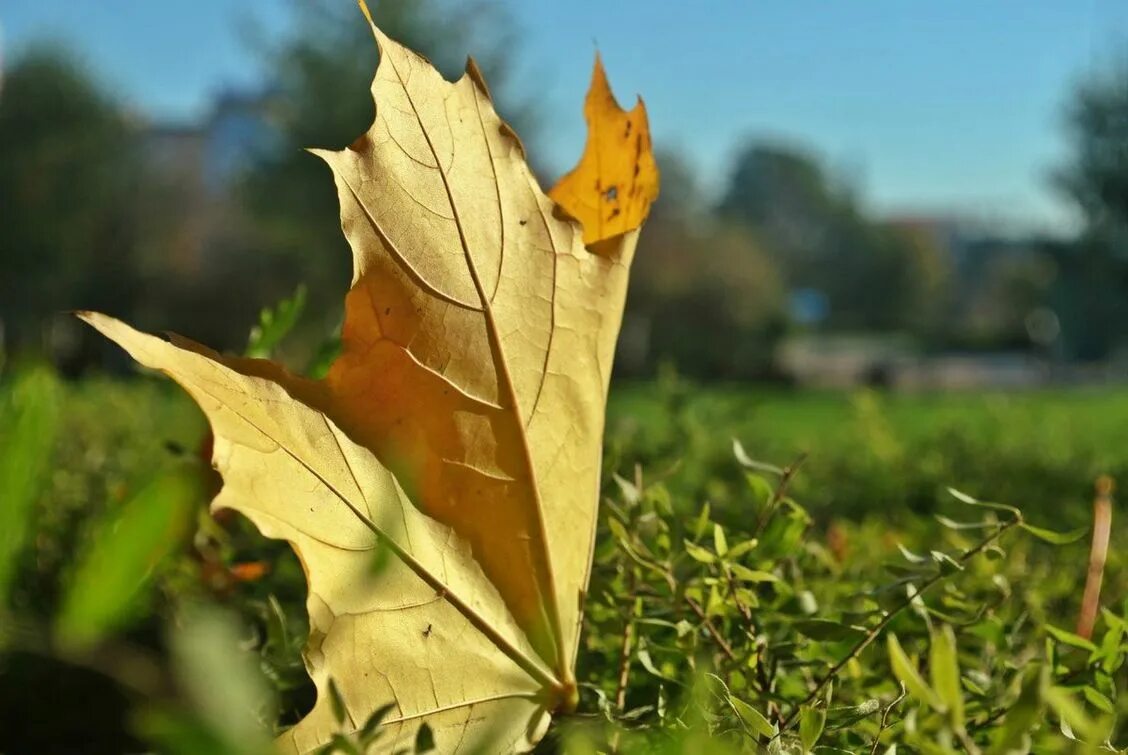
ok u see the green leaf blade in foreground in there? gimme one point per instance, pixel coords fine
(112, 576)
(906, 671)
(29, 423)
(756, 721)
(1055, 538)
(944, 669)
(225, 685)
(1024, 713)
(811, 725)
(1066, 637)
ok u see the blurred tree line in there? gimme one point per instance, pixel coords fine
(173, 228)
(68, 190)
(1094, 268)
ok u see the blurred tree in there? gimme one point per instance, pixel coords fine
(322, 76)
(704, 295)
(1096, 177)
(1092, 292)
(787, 198)
(927, 286)
(1012, 286)
(778, 188)
(873, 277)
(67, 184)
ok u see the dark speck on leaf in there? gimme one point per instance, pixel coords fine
(387, 310)
(611, 194)
(523, 222)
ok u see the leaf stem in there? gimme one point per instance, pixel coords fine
(745, 612)
(625, 656)
(626, 648)
(886, 711)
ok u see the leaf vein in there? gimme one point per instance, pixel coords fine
(478, 622)
(501, 365)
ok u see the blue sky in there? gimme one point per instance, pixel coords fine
(927, 105)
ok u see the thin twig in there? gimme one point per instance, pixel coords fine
(745, 611)
(778, 494)
(885, 718)
(1098, 553)
(969, 746)
(876, 631)
(990, 719)
(787, 474)
(750, 628)
(626, 648)
(717, 636)
(671, 583)
(625, 656)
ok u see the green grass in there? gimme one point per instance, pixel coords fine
(868, 453)
(887, 455)
(821, 572)
(878, 452)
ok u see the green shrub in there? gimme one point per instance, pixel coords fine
(723, 614)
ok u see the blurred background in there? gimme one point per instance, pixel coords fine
(926, 197)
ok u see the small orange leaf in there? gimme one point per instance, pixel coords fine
(612, 187)
(251, 571)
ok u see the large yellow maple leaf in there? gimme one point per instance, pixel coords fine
(459, 432)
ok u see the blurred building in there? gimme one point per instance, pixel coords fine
(1004, 322)
(191, 172)
(998, 278)
(198, 247)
